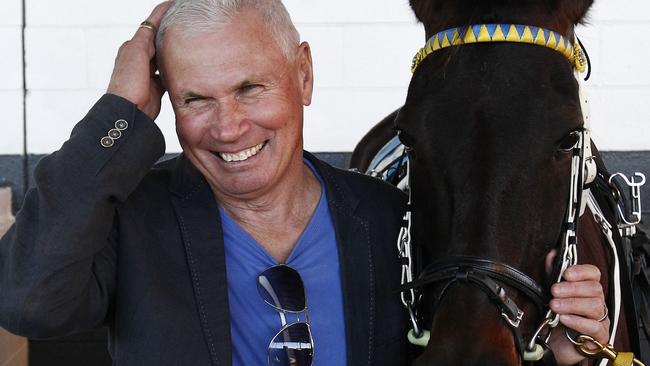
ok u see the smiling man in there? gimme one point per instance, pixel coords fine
(253, 157)
(243, 250)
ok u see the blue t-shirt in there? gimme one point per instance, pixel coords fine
(253, 323)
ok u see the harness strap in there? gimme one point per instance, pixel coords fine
(641, 252)
(608, 206)
(607, 232)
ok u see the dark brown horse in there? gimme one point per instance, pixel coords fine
(490, 127)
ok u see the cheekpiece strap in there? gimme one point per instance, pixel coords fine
(517, 33)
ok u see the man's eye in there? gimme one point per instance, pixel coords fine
(190, 100)
(248, 88)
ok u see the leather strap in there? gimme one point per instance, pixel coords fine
(450, 268)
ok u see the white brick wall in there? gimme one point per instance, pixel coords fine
(620, 84)
(11, 138)
(357, 11)
(11, 12)
(52, 114)
(362, 51)
(87, 14)
(11, 77)
(55, 59)
(11, 66)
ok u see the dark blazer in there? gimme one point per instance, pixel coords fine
(103, 238)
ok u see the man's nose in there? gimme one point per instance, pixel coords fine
(229, 122)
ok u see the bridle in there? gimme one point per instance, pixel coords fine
(490, 276)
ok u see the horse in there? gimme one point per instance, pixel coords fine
(492, 130)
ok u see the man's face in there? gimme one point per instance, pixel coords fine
(239, 105)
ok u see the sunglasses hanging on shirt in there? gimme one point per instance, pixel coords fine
(282, 288)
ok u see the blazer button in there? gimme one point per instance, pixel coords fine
(121, 124)
(114, 134)
(106, 141)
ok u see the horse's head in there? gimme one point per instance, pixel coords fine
(491, 130)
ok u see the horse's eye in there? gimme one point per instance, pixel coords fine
(569, 142)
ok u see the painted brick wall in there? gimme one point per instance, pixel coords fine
(362, 51)
(11, 80)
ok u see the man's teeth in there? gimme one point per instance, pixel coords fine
(242, 155)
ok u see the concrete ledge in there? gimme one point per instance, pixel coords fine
(13, 349)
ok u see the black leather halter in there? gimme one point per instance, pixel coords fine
(485, 273)
(488, 276)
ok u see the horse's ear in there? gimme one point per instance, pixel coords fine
(577, 10)
(421, 8)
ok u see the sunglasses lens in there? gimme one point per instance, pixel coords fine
(282, 288)
(292, 346)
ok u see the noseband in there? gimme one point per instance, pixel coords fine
(490, 276)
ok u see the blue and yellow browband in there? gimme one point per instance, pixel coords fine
(518, 33)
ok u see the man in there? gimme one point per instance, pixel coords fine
(181, 261)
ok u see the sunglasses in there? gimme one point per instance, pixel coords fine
(281, 287)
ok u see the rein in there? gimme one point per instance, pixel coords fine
(515, 33)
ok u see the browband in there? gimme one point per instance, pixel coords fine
(517, 33)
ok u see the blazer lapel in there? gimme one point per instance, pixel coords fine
(357, 269)
(198, 218)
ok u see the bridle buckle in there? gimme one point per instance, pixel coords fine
(513, 322)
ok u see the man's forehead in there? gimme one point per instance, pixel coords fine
(243, 41)
(201, 69)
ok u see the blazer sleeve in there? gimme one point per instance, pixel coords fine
(58, 260)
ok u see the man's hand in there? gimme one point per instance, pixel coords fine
(580, 301)
(134, 75)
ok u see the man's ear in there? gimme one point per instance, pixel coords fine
(305, 72)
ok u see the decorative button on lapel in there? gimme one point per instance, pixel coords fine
(121, 124)
(114, 133)
(107, 141)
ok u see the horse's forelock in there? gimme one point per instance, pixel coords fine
(561, 15)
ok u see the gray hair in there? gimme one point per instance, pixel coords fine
(193, 17)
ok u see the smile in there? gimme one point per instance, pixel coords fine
(242, 155)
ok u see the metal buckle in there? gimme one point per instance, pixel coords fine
(627, 224)
(513, 323)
